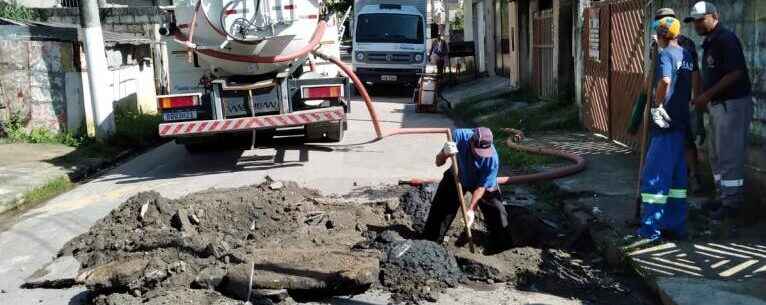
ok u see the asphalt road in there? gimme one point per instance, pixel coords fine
(32, 239)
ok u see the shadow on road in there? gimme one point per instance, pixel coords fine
(173, 161)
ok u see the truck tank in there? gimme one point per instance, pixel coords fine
(264, 28)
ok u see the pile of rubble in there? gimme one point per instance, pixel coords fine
(271, 242)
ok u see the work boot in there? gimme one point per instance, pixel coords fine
(674, 236)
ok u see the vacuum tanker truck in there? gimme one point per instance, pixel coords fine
(244, 69)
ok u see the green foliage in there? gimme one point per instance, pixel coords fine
(540, 115)
(17, 12)
(49, 190)
(491, 111)
(135, 128)
(457, 23)
(338, 6)
(15, 132)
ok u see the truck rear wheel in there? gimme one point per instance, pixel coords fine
(326, 131)
(195, 148)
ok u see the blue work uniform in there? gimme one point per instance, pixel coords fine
(696, 126)
(474, 172)
(664, 179)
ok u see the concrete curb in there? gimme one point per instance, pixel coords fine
(477, 89)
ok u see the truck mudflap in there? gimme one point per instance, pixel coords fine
(298, 118)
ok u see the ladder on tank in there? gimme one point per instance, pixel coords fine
(342, 24)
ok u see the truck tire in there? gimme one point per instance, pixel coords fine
(196, 148)
(325, 132)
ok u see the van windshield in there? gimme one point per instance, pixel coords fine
(395, 28)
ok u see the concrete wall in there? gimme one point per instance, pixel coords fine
(45, 84)
(34, 3)
(110, 15)
(55, 3)
(34, 79)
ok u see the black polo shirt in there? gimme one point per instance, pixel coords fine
(722, 55)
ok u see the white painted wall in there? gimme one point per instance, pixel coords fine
(121, 84)
(468, 20)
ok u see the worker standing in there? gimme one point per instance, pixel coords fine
(695, 133)
(478, 165)
(664, 179)
(727, 95)
(438, 54)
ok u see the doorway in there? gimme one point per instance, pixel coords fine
(513, 41)
(502, 38)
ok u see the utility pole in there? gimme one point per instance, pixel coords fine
(95, 57)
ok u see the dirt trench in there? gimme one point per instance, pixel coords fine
(278, 242)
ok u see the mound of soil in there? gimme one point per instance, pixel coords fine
(203, 248)
(151, 244)
(416, 202)
(417, 270)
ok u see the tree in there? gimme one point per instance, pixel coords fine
(338, 6)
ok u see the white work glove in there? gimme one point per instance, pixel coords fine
(471, 215)
(660, 117)
(450, 149)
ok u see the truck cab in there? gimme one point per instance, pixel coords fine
(389, 43)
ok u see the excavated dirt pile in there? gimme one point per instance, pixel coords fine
(271, 242)
(152, 249)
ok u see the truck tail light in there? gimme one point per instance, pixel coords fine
(178, 101)
(322, 92)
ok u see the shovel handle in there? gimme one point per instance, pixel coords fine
(461, 199)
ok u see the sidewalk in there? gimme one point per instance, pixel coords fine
(31, 170)
(477, 89)
(713, 267)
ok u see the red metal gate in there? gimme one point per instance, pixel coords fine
(542, 54)
(596, 46)
(613, 78)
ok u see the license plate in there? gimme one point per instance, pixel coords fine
(177, 116)
(388, 77)
(235, 106)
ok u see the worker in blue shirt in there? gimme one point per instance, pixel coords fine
(695, 133)
(727, 95)
(478, 165)
(664, 179)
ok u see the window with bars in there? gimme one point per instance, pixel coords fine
(70, 3)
